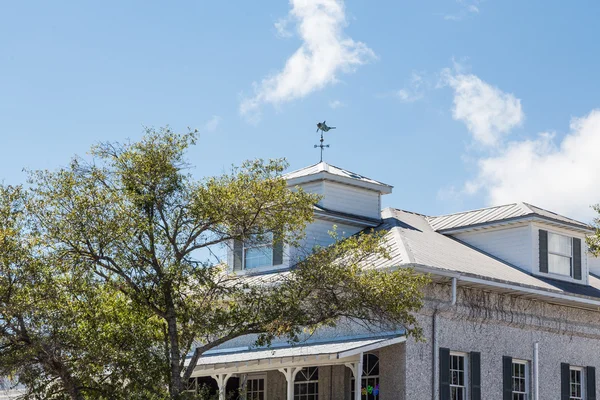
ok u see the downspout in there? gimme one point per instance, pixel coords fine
(434, 340)
(536, 371)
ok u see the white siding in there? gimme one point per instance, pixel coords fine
(350, 199)
(594, 264)
(317, 235)
(512, 245)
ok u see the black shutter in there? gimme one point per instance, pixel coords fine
(238, 250)
(507, 383)
(543, 251)
(590, 385)
(277, 249)
(576, 258)
(444, 373)
(565, 381)
(475, 375)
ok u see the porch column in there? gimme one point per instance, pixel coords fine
(357, 369)
(222, 382)
(290, 375)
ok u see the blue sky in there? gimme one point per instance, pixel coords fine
(458, 104)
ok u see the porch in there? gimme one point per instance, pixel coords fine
(365, 369)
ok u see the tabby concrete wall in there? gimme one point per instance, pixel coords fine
(500, 325)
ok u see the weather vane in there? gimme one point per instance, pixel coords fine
(322, 126)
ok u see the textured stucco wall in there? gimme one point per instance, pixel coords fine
(276, 386)
(499, 325)
(392, 376)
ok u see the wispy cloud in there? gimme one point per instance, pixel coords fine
(336, 104)
(488, 112)
(212, 124)
(325, 52)
(416, 88)
(466, 8)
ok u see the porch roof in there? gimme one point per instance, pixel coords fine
(314, 354)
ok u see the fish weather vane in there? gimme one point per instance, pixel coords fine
(322, 126)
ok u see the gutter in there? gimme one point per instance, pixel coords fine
(465, 277)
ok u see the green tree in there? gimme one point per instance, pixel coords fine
(139, 221)
(64, 334)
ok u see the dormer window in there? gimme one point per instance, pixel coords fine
(560, 255)
(257, 252)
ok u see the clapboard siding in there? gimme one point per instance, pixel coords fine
(512, 245)
(317, 235)
(350, 199)
(594, 264)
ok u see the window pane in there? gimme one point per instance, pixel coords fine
(559, 244)
(259, 257)
(559, 264)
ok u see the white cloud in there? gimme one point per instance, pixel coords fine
(415, 90)
(336, 104)
(325, 52)
(281, 27)
(562, 177)
(466, 8)
(488, 112)
(212, 124)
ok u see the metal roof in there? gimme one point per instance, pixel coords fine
(324, 170)
(497, 214)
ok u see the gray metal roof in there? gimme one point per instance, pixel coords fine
(419, 244)
(336, 349)
(497, 214)
(321, 170)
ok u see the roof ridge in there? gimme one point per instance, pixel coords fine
(473, 210)
(407, 211)
(300, 169)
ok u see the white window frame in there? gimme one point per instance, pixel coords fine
(364, 381)
(465, 385)
(527, 391)
(256, 377)
(299, 383)
(570, 256)
(581, 371)
(268, 242)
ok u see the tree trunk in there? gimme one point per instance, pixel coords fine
(68, 381)
(173, 345)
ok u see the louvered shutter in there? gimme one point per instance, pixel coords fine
(576, 258)
(238, 250)
(543, 251)
(475, 373)
(444, 365)
(565, 381)
(507, 383)
(590, 378)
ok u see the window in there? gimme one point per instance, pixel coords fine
(306, 384)
(258, 252)
(560, 254)
(255, 389)
(370, 378)
(576, 383)
(458, 376)
(520, 380)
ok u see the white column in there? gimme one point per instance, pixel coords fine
(222, 382)
(357, 368)
(290, 375)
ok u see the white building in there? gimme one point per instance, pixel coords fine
(513, 311)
